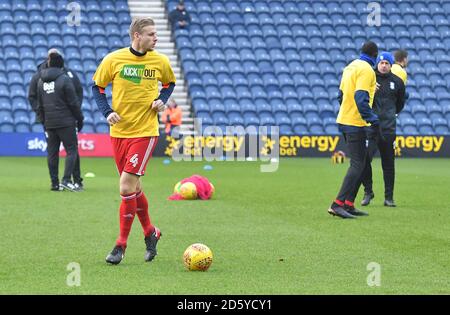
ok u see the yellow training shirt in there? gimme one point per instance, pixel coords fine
(357, 76)
(134, 87)
(400, 72)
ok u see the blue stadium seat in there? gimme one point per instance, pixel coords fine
(424, 125)
(419, 111)
(247, 106)
(258, 93)
(122, 6)
(282, 118)
(219, 118)
(273, 91)
(3, 84)
(14, 77)
(200, 106)
(88, 53)
(300, 130)
(93, 6)
(232, 106)
(5, 103)
(255, 80)
(216, 105)
(286, 81)
(224, 80)
(72, 53)
(187, 54)
(22, 123)
(236, 119)
(108, 8)
(294, 107)
(286, 130)
(190, 67)
(250, 67)
(407, 122)
(410, 130)
(278, 105)
(218, 7)
(238, 78)
(198, 94)
(205, 118)
(100, 41)
(263, 107)
(3, 78)
(6, 122)
(250, 119)
(37, 127)
(6, 16)
(89, 65)
(440, 126)
(24, 41)
(325, 110)
(17, 90)
(5, 6)
(7, 28)
(209, 80)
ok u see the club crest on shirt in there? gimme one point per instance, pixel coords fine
(392, 85)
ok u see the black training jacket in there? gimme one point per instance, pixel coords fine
(389, 100)
(57, 101)
(32, 91)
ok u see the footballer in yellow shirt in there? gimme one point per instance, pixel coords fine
(357, 77)
(134, 73)
(356, 93)
(135, 86)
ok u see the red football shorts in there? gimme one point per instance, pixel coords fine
(132, 154)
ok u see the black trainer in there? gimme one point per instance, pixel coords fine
(367, 198)
(150, 243)
(116, 255)
(78, 186)
(389, 203)
(354, 211)
(56, 187)
(69, 186)
(337, 210)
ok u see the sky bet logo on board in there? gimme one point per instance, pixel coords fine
(37, 144)
(135, 73)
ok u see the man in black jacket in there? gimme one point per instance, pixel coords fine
(58, 108)
(388, 102)
(32, 98)
(179, 18)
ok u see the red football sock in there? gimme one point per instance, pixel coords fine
(339, 202)
(349, 203)
(127, 212)
(142, 213)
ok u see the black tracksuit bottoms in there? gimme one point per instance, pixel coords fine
(68, 137)
(357, 150)
(387, 153)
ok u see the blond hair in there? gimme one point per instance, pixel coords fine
(138, 24)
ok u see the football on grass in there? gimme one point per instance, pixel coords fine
(188, 191)
(197, 257)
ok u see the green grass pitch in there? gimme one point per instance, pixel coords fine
(269, 232)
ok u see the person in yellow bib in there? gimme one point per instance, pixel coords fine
(136, 100)
(356, 93)
(401, 61)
